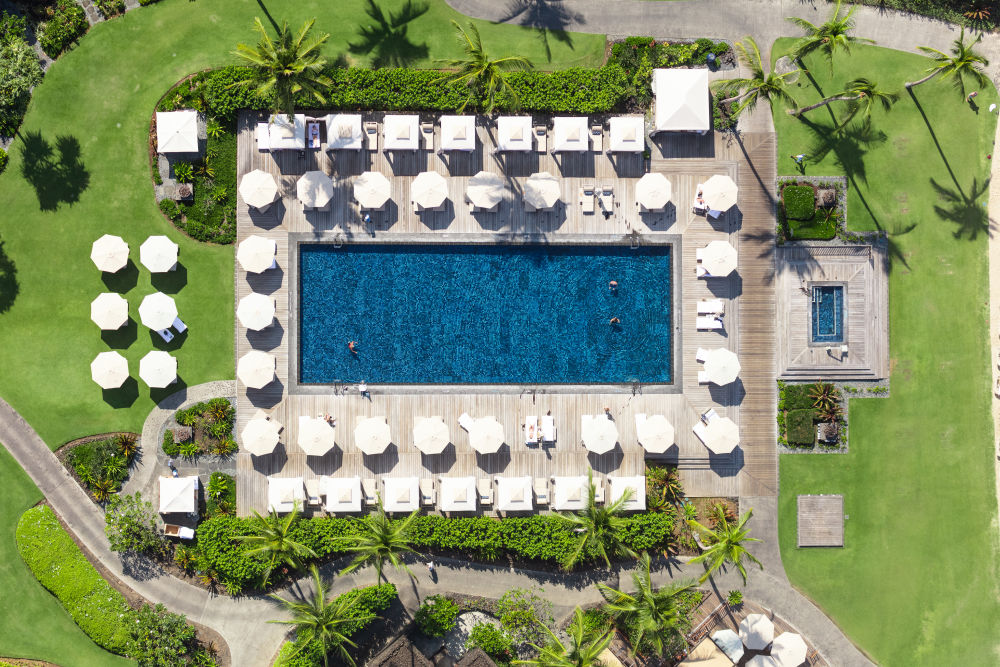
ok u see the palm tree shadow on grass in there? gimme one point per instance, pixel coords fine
(385, 40)
(970, 217)
(57, 173)
(549, 19)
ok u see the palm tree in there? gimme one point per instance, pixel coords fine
(272, 539)
(862, 96)
(598, 528)
(583, 649)
(654, 618)
(286, 65)
(318, 617)
(481, 75)
(963, 63)
(725, 543)
(381, 539)
(827, 37)
(760, 85)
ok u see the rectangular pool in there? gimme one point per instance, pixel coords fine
(828, 314)
(484, 314)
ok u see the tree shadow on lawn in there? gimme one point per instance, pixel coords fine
(971, 217)
(386, 40)
(9, 287)
(57, 173)
(547, 18)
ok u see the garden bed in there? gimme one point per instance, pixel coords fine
(802, 217)
(802, 407)
(100, 463)
(204, 428)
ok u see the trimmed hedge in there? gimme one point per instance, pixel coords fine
(799, 427)
(795, 397)
(799, 202)
(66, 25)
(220, 494)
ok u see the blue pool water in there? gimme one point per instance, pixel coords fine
(828, 314)
(484, 314)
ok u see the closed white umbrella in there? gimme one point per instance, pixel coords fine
(756, 631)
(157, 311)
(372, 435)
(158, 369)
(109, 311)
(109, 253)
(258, 189)
(722, 435)
(158, 254)
(256, 369)
(721, 366)
(256, 311)
(372, 190)
(314, 189)
(600, 435)
(653, 191)
(541, 190)
(789, 650)
(719, 258)
(260, 436)
(720, 192)
(315, 436)
(458, 133)
(429, 189)
(109, 370)
(485, 190)
(256, 253)
(656, 434)
(430, 435)
(486, 435)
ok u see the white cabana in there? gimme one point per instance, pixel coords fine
(315, 435)
(430, 434)
(258, 189)
(486, 435)
(256, 254)
(260, 436)
(177, 131)
(514, 133)
(514, 494)
(636, 487)
(570, 134)
(680, 100)
(541, 191)
(158, 369)
(485, 190)
(372, 190)
(287, 134)
(179, 495)
(314, 189)
(157, 311)
(109, 253)
(720, 193)
(569, 493)
(789, 650)
(719, 258)
(401, 133)
(256, 311)
(429, 190)
(371, 435)
(458, 494)
(653, 191)
(600, 435)
(627, 134)
(401, 494)
(721, 366)
(721, 435)
(655, 434)
(756, 631)
(109, 311)
(158, 254)
(343, 494)
(255, 369)
(284, 493)
(109, 370)
(458, 133)
(343, 132)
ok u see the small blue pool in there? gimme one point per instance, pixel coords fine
(828, 313)
(476, 314)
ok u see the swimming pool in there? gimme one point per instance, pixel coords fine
(484, 314)
(828, 313)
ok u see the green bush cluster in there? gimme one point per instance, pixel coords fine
(3, 160)
(436, 615)
(173, 212)
(20, 70)
(213, 420)
(220, 494)
(12, 27)
(799, 202)
(66, 24)
(110, 8)
(799, 426)
(953, 11)
(794, 397)
(170, 448)
(102, 465)
(639, 56)
(211, 216)
(494, 642)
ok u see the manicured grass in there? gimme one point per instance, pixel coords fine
(90, 117)
(916, 582)
(35, 625)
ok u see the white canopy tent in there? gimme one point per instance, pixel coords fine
(401, 494)
(458, 133)
(655, 434)
(258, 189)
(109, 311)
(720, 192)
(109, 253)
(256, 311)
(260, 436)
(542, 191)
(458, 494)
(486, 435)
(284, 493)
(721, 435)
(514, 494)
(371, 435)
(680, 100)
(109, 370)
(343, 132)
(514, 133)
(256, 254)
(756, 631)
(600, 435)
(569, 493)
(286, 134)
(178, 495)
(255, 369)
(343, 494)
(372, 190)
(429, 190)
(158, 369)
(635, 485)
(177, 131)
(789, 650)
(314, 189)
(722, 366)
(157, 311)
(570, 134)
(485, 190)
(627, 134)
(430, 435)
(158, 254)
(316, 435)
(719, 258)
(653, 192)
(401, 133)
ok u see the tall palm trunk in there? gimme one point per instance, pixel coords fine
(911, 84)
(823, 103)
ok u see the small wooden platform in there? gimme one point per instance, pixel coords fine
(820, 521)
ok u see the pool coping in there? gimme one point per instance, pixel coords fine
(295, 239)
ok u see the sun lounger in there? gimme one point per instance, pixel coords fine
(531, 430)
(166, 334)
(640, 419)
(699, 253)
(711, 307)
(702, 377)
(587, 193)
(701, 354)
(369, 491)
(707, 323)
(484, 487)
(179, 325)
(597, 138)
(263, 137)
(371, 132)
(427, 492)
(465, 421)
(607, 197)
(548, 429)
(599, 490)
(702, 272)
(182, 532)
(699, 207)
(541, 138)
(541, 487)
(709, 415)
(713, 214)
(699, 430)
(427, 133)
(312, 492)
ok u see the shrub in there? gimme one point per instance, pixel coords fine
(19, 71)
(220, 495)
(173, 212)
(183, 172)
(522, 615)
(13, 28)
(110, 8)
(3, 160)
(799, 427)
(493, 641)
(130, 525)
(170, 448)
(436, 615)
(799, 202)
(67, 23)
(100, 464)
(160, 638)
(597, 621)
(795, 397)
(734, 598)
(189, 449)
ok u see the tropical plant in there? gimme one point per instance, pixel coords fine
(189, 449)
(285, 66)
(271, 537)
(159, 637)
(183, 172)
(102, 489)
(521, 611)
(598, 528)
(963, 63)
(436, 615)
(762, 84)
(828, 37)
(720, 511)
(734, 598)
(128, 444)
(494, 641)
(115, 467)
(185, 557)
(725, 544)
(584, 646)
(830, 413)
(213, 128)
(482, 76)
(978, 11)
(823, 394)
(862, 96)
(220, 409)
(380, 539)
(663, 486)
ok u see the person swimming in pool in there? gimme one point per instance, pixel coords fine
(613, 286)
(353, 347)
(614, 321)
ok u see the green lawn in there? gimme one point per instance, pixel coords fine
(87, 135)
(917, 581)
(35, 624)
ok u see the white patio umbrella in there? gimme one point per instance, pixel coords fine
(485, 190)
(429, 189)
(600, 435)
(314, 189)
(653, 191)
(721, 366)
(258, 189)
(109, 253)
(158, 369)
(486, 435)
(719, 258)
(109, 311)
(430, 435)
(158, 254)
(256, 311)
(260, 436)
(256, 254)
(720, 192)
(157, 311)
(789, 650)
(722, 435)
(256, 369)
(541, 190)
(756, 631)
(109, 370)
(372, 190)
(656, 434)
(315, 436)
(372, 436)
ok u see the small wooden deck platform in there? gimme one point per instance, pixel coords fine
(820, 521)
